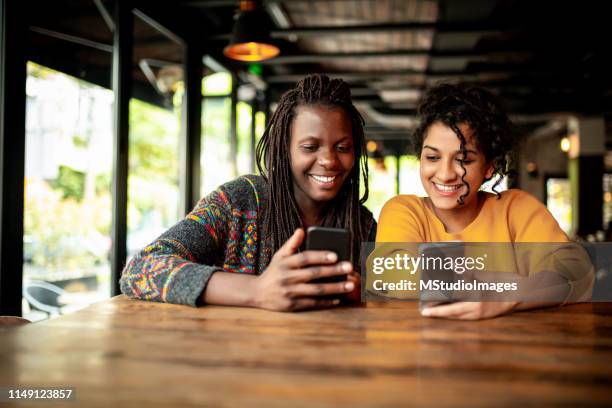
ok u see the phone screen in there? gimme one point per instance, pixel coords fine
(435, 271)
(330, 239)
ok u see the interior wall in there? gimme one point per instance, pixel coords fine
(549, 159)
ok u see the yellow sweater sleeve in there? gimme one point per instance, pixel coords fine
(401, 220)
(530, 220)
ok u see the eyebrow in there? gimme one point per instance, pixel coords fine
(458, 151)
(307, 138)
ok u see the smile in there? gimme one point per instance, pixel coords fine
(447, 188)
(323, 179)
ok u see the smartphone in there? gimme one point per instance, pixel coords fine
(441, 251)
(337, 240)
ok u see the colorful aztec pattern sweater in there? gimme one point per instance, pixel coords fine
(222, 233)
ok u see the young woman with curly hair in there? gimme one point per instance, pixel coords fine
(464, 139)
(241, 244)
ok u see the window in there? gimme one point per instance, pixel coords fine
(558, 201)
(67, 192)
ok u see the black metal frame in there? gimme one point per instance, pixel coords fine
(123, 41)
(190, 146)
(13, 71)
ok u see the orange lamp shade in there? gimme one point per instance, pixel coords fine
(251, 35)
(251, 51)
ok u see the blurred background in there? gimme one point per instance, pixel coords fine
(118, 115)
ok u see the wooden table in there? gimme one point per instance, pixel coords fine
(130, 353)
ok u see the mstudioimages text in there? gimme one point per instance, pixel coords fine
(440, 285)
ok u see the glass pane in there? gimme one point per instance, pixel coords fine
(67, 193)
(215, 157)
(382, 174)
(155, 118)
(217, 84)
(558, 201)
(607, 201)
(260, 127)
(244, 118)
(410, 180)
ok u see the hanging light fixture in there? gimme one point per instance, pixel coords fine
(565, 144)
(251, 35)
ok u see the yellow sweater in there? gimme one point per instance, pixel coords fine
(516, 217)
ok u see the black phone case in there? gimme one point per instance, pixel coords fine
(329, 239)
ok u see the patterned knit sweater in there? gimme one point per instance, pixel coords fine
(222, 233)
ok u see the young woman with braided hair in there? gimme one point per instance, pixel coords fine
(241, 244)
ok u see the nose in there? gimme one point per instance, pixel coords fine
(328, 158)
(446, 171)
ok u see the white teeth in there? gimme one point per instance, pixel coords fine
(323, 179)
(448, 189)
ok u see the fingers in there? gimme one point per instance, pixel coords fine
(291, 246)
(354, 277)
(320, 289)
(307, 258)
(459, 310)
(316, 272)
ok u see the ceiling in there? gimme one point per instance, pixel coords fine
(542, 58)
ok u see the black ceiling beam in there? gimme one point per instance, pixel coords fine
(347, 76)
(73, 39)
(325, 57)
(446, 28)
(86, 42)
(520, 74)
(374, 75)
(160, 24)
(106, 15)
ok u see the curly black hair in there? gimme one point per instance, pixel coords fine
(457, 104)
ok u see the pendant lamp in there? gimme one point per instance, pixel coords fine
(251, 35)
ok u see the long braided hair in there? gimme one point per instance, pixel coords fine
(282, 216)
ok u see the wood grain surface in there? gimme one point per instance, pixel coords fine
(141, 354)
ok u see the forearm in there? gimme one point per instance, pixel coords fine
(534, 305)
(229, 289)
(165, 278)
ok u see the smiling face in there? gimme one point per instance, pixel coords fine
(321, 154)
(441, 170)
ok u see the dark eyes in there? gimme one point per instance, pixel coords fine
(465, 161)
(310, 148)
(314, 148)
(436, 158)
(344, 148)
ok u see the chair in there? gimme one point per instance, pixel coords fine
(43, 296)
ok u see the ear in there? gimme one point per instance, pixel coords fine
(489, 171)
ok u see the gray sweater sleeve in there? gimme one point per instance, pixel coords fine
(176, 267)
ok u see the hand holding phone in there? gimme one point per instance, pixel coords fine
(286, 284)
(438, 250)
(330, 239)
